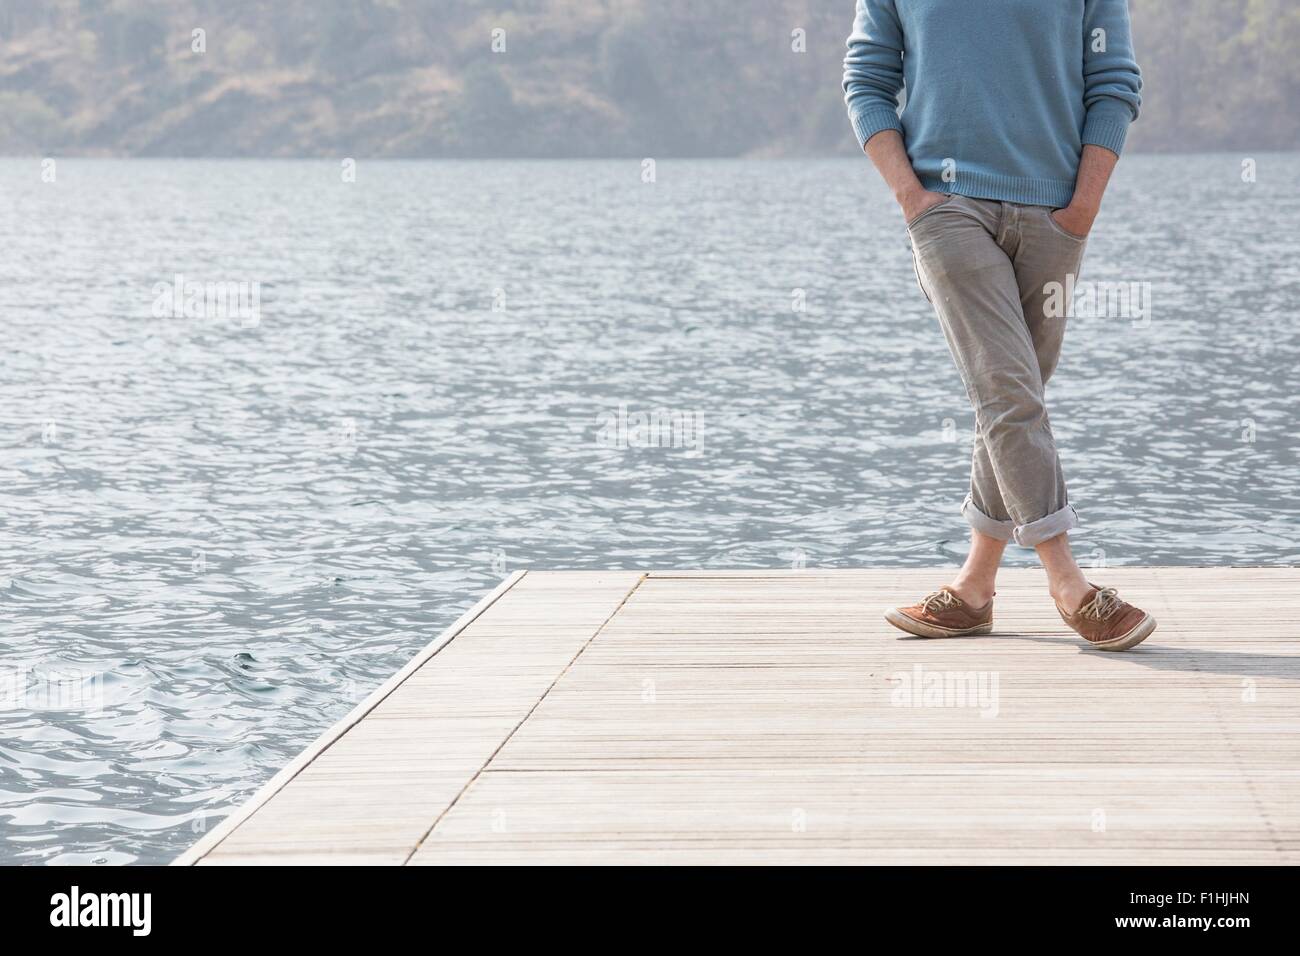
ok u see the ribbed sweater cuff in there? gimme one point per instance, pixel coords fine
(869, 122)
(1107, 128)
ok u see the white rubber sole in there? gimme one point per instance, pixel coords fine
(1140, 632)
(918, 629)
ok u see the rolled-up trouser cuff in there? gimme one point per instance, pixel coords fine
(992, 527)
(1036, 532)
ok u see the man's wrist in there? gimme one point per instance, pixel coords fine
(908, 193)
(1085, 207)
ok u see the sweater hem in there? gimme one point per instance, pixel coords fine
(1028, 191)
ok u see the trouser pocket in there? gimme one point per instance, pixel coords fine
(1060, 230)
(948, 197)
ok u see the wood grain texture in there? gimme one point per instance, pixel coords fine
(774, 717)
(376, 782)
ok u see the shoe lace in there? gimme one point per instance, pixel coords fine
(938, 600)
(1103, 604)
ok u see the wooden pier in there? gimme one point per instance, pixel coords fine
(774, 717)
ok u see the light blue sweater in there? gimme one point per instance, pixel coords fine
(1002, 95)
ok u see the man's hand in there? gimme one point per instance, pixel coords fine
(1075, 219)
(1095, 167)
(887, 152)
(916, 201)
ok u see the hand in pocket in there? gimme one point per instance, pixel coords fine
(1077, 222)
(915, 207)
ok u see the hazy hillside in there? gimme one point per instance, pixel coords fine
(576, 77)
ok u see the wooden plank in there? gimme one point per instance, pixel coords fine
(766, 717)
(369, 788)
(752, 719)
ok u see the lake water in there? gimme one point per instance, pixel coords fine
(218, 532)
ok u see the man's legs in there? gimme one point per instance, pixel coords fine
(966, 253)
(1000, 278)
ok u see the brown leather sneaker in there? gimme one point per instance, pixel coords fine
(942, 614)
(1107, 623)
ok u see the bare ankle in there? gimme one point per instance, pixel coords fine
(974, 593)
(1070, 594)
